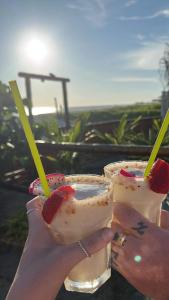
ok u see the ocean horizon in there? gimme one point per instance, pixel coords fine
(40, 110)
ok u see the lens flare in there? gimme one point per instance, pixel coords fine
(137, 258)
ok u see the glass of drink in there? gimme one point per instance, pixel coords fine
(137, 167)
(130, 187)
(87, 211)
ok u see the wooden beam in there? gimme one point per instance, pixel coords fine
(42, 77)
(52, 148)
(52, 77)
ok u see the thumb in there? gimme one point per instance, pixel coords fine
(34, 214)
(98, 240)
(92, 244)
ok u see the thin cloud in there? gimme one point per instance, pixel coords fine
(93, 10)
(134, 80)
(147, 57)
(140, 37)
(161, 13)
(131, 3)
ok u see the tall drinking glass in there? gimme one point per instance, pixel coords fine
(89, 210)
(135, 191)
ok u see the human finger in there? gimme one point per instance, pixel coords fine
(131, 220)
(119, 234)
(130, 248)
(35, 203)
(164, 221)
(91, 244)
(34, 215)
(98, 240)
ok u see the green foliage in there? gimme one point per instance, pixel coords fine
(15, 153)
(150, 138)
(67, 159)
(122, 134)
(49, 131)
(13, 149)
(14, 231)
(4, 89)
(125, 133)
(113, 113)
(116, 112)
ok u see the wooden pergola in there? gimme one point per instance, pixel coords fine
(52, 77)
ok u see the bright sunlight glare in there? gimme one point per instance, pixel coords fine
(36, 50)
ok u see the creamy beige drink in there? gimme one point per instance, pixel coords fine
(135, 190)
(137, 167)
(88, 210)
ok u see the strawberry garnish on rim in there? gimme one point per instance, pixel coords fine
(159, 177)
(126, 173)
(54, 180)
(53, 203)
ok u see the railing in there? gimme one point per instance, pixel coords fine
(13, 180)
(138, 150)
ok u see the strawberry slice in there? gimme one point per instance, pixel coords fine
(53, 203)
(159, 177)
(126, 174)
(66, 191)
(54, 180)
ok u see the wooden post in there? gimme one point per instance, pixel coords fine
(29, 97)
(67, 121)
(51, 77)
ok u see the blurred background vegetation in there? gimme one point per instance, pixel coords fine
(123, 128)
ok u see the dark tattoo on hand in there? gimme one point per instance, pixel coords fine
(140, 228)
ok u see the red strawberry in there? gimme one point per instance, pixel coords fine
(66, 191)
(53, 179)
(159, 177)
(126, 174)
(56, 199)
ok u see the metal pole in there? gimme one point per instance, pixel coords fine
(29, 97)
(56, 106)
(67, 121)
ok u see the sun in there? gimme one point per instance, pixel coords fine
(36, 50)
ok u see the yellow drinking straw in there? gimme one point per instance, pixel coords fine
(157, 144)
(29, 137)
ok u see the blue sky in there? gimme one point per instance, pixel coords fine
(110, 49)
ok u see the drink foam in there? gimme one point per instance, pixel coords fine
(85, 190)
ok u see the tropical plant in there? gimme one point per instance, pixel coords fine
(13, 148)
(14, 151)
(14, 230)
(120, 135)
(74, 135)
(66, 160)
(150, 138)
(4, 89)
